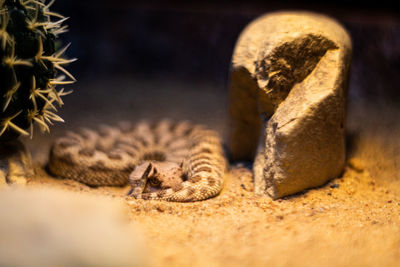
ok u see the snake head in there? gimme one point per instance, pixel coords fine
(150, 177)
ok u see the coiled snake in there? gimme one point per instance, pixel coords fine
(173, 161)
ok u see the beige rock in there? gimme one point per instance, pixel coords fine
(51, 227)
(288, 83)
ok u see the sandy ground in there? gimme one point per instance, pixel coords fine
(353, 220)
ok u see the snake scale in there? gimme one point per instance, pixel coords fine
(165, 160)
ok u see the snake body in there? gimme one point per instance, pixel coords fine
(108, 156)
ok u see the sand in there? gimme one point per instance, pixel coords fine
(352, 220)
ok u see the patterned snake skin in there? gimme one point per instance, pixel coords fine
(165, 160)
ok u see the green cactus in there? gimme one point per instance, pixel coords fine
(29, 65)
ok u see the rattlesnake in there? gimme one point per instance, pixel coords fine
(173, 161)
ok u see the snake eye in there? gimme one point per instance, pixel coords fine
(154, 182)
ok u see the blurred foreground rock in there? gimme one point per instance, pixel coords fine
(291, 69)
(49, 227)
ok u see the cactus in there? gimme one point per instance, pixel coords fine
(30, 66)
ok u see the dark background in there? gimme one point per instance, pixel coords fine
(131, 51)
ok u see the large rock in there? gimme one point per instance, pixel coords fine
(50, 227)
(288, 83)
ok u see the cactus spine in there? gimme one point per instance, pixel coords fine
(29, 65)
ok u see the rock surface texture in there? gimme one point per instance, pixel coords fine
(288, 83)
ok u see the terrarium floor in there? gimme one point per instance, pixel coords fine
(353, 220)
